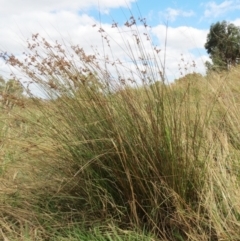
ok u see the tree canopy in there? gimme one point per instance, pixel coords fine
(223, 45)
(10, 87)
(10, 92)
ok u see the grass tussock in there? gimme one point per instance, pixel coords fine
(114, 148)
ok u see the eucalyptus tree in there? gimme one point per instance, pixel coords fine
(223, 45)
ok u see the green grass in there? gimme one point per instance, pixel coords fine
(108, 158)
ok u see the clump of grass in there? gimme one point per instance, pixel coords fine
(117, 144)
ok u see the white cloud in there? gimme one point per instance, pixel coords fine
(64, 24)
(57, 20)
(171, 14)
(236, 22)
(214, 10)
(26, 6)
(183, 38)
(182, 41)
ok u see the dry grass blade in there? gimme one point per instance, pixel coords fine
(4, 236)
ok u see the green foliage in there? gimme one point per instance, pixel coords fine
(11, 86)
(223, 45)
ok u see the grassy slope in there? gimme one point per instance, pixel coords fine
(102, 162)
(93, 163)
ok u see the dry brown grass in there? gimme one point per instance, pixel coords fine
(108, 149)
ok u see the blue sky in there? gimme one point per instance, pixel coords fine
(71, 21)
(199, 14)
